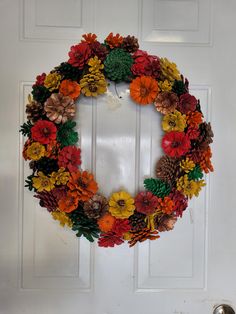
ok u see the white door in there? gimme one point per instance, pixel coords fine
(44, 268)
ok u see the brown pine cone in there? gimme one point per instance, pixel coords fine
(142, 235)
(137, 221)
(165, 222)
(166, 102)
(96, 206)
(34, 111)
(130, 44)
(167, 169)
(206, 135)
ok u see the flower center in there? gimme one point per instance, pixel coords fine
(172, 123)
(146, 202)
(46, 131)
(143, 91)
(175, 144)
(82, 183)
(121, 203)
(93, 88)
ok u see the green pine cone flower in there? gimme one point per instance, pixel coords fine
(196, 174)
(25, 128)
(84, 226)
(66, 135)
(40, 93)
(118, 65)
(157, 187)
(179, 88)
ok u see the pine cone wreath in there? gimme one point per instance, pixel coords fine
(165, 222)
(96, 206)
(137, 221)
(130, 44)
(167, 169)
(166, 102)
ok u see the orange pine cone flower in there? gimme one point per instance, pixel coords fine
(69, 203)
(205, 161)
(166, 205)
(89, 38)
(106, 222)
(84, 184)
(114, 41)
(70, 88)
(144, 90)
(52, 149)
(194, 118)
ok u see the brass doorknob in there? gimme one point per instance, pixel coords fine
(223, 309)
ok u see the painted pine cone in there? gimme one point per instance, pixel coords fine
(130, 44)
(96, 206)
(165, 223)
(166, 102)
(167, 169)
(34, 111)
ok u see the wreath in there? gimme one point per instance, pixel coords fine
(69, 193)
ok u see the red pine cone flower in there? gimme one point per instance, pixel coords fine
(193, 133)
(121, 226)
(145, 64)
(175, 144)
(146, 203)
(70, 157)
(180, 202)
(109, 239)
(79, 54)
(44, 131)
(40, 79)
(84, 184)
(187, 103)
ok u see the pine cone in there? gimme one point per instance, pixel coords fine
(83, 225)
(167, 169)
(48, 200)
(166, 102)
(46, 165)
(34, 111)
(165, 222)
(69, 72)
(137, 221)
(40, 93)
(118, 65)
(96, 206)
(206, 135)
(142, 235)
(99, 50)
(157, 187)
(180, 86)
(130, 44)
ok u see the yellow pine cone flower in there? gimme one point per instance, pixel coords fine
(95, 64)
(187, 165)
(169, 70)
(93, 84)
(35, 151)
(165, 86)
(121, 205)
(52, 81)
(43, 183)
(174, 121)
(188, 187)
(61, 176)
(62, 218)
